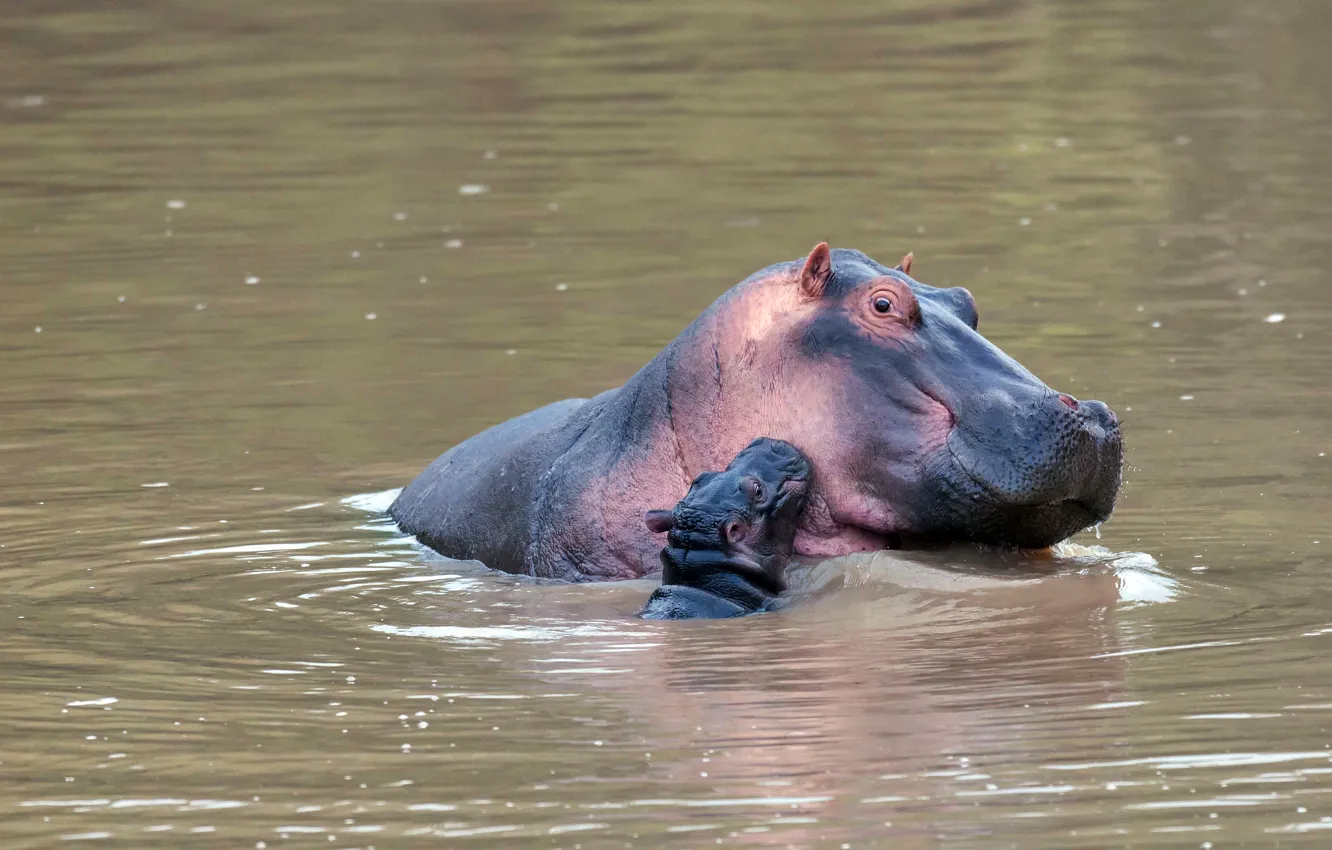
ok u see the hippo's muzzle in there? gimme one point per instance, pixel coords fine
(1037, 475)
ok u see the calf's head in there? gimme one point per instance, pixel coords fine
(743, 519)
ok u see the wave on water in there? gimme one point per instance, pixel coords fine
(373, 503)
(1141, 579)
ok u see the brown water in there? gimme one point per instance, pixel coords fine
(204, 643)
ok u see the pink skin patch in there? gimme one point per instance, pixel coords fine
(837, 540)
(740, 381)
(836, 522)
(840, 519)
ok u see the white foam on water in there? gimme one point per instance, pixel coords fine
(86, 703)
(1141, 579)
(373, 503)
(249, 548)
(487, 634)
(1192, 762)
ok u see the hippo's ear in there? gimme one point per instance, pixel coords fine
(659, 521)
(817, 270)
(905, 266)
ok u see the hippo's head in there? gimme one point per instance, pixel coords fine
(746, 515)
(918, 428)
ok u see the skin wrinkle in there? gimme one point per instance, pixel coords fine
(670, 422)
(716, 359)
(543, 492)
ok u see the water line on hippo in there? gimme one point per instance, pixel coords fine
(954, 572)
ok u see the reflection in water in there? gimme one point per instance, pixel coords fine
(248, 267)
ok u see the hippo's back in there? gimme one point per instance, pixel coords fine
(475, 500)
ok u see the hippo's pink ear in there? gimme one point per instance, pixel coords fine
(905, 266)
(659, 521)
(817, 270)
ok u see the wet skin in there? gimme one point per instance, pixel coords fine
(728, 541)
(918, 429)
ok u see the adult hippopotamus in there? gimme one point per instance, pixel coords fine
(917, 428)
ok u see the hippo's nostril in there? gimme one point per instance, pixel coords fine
(1101, 412)
(1069, 401)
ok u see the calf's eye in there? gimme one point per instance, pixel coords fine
(752, 488)
(883, 306)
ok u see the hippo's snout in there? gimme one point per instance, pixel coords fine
(1040, 474)
(1099, 412)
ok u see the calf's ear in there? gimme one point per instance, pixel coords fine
(816, 271)
(659, 521)
(905, 266)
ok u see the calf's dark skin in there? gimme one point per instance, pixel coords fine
(728, 541)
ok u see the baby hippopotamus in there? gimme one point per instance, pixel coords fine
(729, 539)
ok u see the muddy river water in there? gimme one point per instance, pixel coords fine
(261, 262)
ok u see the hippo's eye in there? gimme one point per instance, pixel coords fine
(889, 307)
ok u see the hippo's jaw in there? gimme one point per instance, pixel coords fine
(838, 541)
(828, 531)
(1054, 470)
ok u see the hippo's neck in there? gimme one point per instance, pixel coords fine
(687, 411)
(720, 374)
(626, 460)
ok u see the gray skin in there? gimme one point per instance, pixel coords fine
(728, 541)
(918, 429)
